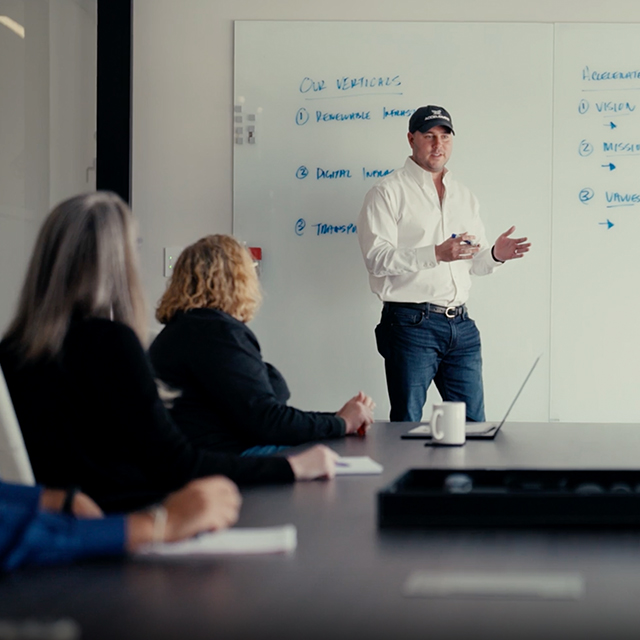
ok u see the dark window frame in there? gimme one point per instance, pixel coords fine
(114, 89)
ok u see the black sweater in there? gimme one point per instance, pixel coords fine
(92, 417)
(231, 399)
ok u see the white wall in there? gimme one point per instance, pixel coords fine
(47, 123)
(183, 97)
(24, 141)
(72, 97)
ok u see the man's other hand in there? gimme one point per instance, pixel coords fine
(507, 248)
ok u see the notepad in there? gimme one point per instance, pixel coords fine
(357, 466)
(280, 539)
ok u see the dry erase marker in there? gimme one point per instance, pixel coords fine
(341, 464)
(455, 235)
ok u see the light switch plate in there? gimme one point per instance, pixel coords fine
(170, 256)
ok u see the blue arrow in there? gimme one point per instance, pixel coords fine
(610, 165)
(611, 125)
(608, 223)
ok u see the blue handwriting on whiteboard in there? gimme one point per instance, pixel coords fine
(621, 147)
(331, 229)
(354, 115)
(585, 195)
(345, 83)
(301, 223)
(587, 74)
(585, 149)
(302, 117)
(311, 85)
(332, 175)
(396, 113)
(375, 173)
(616, 199)
(614, 107)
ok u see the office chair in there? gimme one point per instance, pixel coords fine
(14, 460)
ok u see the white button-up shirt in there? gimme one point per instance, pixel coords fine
(401, 223)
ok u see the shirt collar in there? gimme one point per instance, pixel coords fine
(422, 177)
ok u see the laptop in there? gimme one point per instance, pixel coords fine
(474, 430)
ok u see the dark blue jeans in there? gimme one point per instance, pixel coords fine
(421, 346)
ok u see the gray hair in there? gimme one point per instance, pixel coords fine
(83, 265)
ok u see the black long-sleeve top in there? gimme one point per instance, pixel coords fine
(231, 399)
(92, 417)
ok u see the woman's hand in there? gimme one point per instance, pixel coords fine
(82, 506)
(314, 463)
(206, 504)
(358, 414)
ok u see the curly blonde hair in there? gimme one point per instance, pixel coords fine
(216, 272)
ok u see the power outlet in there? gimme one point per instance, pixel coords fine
(170, 256)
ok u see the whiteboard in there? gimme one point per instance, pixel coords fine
(595, 351)
(321, 109)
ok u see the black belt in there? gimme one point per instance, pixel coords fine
(449, 312)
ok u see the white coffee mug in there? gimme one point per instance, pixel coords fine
(448, 423)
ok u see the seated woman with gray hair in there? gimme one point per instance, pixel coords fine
(80, 380)
(231, 400)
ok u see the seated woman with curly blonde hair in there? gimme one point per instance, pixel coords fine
(231, 400)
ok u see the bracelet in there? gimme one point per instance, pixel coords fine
(67, 505)
(493, 255)
(160, 516)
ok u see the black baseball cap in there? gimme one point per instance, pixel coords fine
(426, 118)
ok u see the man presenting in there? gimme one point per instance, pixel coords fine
(421, 237)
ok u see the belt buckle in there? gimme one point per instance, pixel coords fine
(450, 312)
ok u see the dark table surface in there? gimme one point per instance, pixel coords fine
(345, 579)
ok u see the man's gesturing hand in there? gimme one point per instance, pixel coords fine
(507, 248)
(460, 247)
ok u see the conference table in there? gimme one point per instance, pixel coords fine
(346, 577)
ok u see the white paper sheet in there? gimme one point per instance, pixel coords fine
(280, 539)
(357, 466)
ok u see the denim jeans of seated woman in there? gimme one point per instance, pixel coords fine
(421, 346)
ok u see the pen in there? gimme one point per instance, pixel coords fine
(455, 235)
(341, 464)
